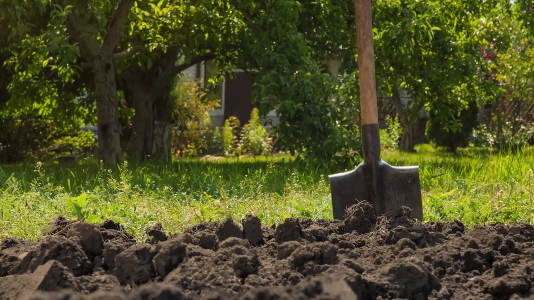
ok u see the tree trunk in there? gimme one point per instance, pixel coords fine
(161, 149)
(109, 150)
(407, 144)
(140, 146)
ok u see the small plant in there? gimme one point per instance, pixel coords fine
(78, 206)
(303, 211)
(228, 138)
(238, 135)
(390, 137)
(254, 136)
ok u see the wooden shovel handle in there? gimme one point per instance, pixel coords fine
(366, 61)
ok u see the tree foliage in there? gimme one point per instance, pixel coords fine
(159, 40)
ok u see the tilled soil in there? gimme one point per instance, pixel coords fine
(361, 257)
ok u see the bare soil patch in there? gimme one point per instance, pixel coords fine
(361, 257)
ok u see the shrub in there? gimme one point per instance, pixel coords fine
(254, 135)
(482, 137)
(451, 126)
(25, 135)
(515, 135)
(318, 119)
(190, 108)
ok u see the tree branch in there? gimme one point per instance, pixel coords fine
(130, 52)
(77, 29)
(171, 70)
(124, 54)
(118, 21)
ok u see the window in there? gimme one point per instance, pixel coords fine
(208, 70)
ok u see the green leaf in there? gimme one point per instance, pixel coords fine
(82, 199)
(94, 219)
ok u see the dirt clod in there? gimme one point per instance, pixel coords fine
(156, 234)
(252, 229)
(319, 253)
(327, 288)
(232, 242)
(134, 265)
(360, 217)
(111, 250)
(169, 255)
(58, 224)
(89, 236)
(207, 240)
(286, 249)
(51, 276)
(229, 229)
(290, 230)
(66, 251)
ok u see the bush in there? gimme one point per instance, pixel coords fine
(447, 128)
(482, 137)
(318, 118)
(190, 109)
(28, 135)
(515, 135)
(255, 137)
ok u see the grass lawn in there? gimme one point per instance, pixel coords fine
(462, 187)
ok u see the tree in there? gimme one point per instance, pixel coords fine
(427, 48)
(90, 35)
(89, 32)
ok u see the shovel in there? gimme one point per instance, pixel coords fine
(384, 186)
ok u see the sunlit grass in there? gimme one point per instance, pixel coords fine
(465, 187)
(191, 190)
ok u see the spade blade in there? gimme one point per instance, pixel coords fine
(396, 187)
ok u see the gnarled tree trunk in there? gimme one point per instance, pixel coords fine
(151, 132)
(140, 147)
(109, 149)
(146, 90)
(407, 143)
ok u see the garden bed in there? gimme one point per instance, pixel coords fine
(362, 257)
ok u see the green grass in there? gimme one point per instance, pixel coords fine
(191, 191)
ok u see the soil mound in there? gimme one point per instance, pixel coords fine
(362, 257)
